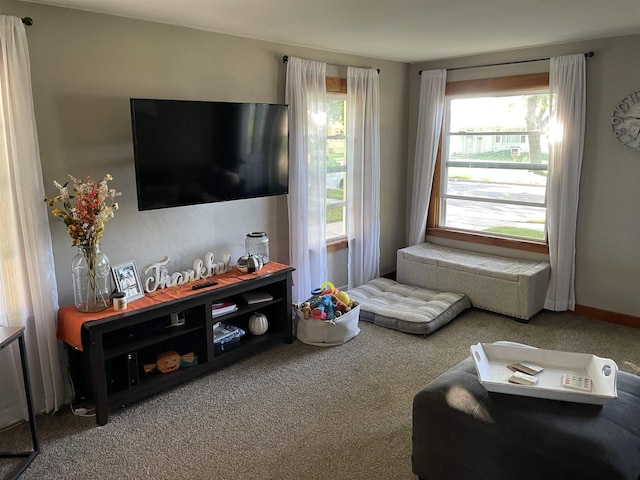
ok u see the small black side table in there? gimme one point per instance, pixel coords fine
(7, 336)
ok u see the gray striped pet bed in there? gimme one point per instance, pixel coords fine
(406, 308)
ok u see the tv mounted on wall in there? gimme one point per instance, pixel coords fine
(194, 152)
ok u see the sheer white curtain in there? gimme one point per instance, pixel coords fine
(567, 88)
(430, 113)
(28, 295)
(306, 95)
(363, 175)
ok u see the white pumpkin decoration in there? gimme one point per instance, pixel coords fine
(258, 323)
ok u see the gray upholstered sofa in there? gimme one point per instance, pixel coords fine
(504, 285)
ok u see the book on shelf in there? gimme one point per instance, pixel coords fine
(223, 307)
(251, 298)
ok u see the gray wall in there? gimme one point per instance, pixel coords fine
(86, 66)
(608, 231)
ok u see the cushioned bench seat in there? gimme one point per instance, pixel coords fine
(510, 286)
(462, 431)
(406, 308)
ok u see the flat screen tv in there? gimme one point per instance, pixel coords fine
(192, 152)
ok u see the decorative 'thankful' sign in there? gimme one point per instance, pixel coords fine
(160, 277)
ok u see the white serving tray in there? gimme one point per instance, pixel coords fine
(491, 362)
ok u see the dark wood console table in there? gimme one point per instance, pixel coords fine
(7, 336)
(108, 351)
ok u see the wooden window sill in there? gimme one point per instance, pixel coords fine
(525, 245)
(337, 244)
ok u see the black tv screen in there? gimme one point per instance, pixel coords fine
(192, 152)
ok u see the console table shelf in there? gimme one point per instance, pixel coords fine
(111, 352)
(109, 368)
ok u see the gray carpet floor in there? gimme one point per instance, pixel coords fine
(297, 411)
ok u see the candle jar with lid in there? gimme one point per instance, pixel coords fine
(119, 301)
(257, 243)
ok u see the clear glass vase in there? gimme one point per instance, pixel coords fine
(91, 279)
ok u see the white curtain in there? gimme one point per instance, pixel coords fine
(363, 175)
(306, 95)
(430, 113)
(28, 295)
(567, 88)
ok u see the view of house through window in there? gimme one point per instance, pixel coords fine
(336, 206)
(494, 165)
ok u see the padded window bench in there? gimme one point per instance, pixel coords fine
(509, 286)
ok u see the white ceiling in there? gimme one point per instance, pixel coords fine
(401, 30)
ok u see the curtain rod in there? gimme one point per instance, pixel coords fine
(587, 55)
(285, 59)
(28, 21)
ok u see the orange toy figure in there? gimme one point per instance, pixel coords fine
(171, 361)
(168, 361)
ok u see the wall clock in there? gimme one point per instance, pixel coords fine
(625, 121)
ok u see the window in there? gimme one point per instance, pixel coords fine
(336, 168)
(491, 175)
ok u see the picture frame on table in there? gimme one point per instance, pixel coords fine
(127, 280)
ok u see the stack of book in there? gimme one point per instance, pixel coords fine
(222, 308)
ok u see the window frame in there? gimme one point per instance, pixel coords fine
(336, 85)
(528, 82)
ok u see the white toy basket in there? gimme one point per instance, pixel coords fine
(328, 333)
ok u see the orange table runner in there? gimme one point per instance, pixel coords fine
(70, 320)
